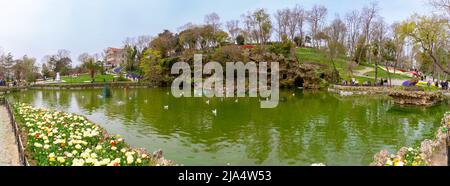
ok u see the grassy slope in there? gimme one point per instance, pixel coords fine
(384, 74)
(313, 55)
(87, 78)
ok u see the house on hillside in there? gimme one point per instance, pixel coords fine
(115, 57)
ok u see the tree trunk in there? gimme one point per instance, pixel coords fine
(389, 74)
(93, 75)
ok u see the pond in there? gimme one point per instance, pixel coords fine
(307, 127)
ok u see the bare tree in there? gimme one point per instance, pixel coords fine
(297, 22)
(257, 26)
(338, 31)
(233, 29)
(335, 37)
(443, 5)
(316, 18)
(378, 35)
(213, 20)
(143, 42)
(63, 53)
(353, 23)
(129, 41)
(369, 13)
(282, 18)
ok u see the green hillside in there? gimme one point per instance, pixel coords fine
(342, 65)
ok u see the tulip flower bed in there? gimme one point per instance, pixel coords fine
(411, 158)
(61, 139)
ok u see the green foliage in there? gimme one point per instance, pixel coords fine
(285, 48)
(384, 74)
(298, 41)
(228, 54)
(220, 37)
(428, 32)
(131, 54)
(240, 40)
(84, 78)
(361, 51)
(150, 65)
(164, 43)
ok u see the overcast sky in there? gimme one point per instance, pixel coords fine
(40, 27)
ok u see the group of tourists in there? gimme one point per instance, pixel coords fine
(442, 84)
(2, 82)
(354, 82)
(5, 83)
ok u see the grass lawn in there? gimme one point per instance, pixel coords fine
(384, 74)
(317, 56)
(84, 78)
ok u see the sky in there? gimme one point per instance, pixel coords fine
(41, 27)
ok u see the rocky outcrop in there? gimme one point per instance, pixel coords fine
(419, 98)
(295, 74)
(160, 160)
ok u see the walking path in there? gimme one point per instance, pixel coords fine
(363, 71)
(9, 155)
(360, 73)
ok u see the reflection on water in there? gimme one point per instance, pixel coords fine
(307, 128)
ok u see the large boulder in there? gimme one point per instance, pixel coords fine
(419, 98)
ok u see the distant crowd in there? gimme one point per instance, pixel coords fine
(4, 83)
(354, 82)
(444, 85)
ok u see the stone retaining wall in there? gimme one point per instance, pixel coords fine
(420, 98)
(6, 90)
(357, 90)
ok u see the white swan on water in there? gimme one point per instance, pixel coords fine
(166, 107)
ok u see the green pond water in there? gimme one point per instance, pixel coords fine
(308, 127)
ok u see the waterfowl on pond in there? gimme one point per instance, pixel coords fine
(166, 107)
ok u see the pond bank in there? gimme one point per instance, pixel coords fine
(432, 152)
(357, 90)
(418, 98)
(6, 90)
(76, 86)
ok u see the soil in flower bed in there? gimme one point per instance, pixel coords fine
(61, 139)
